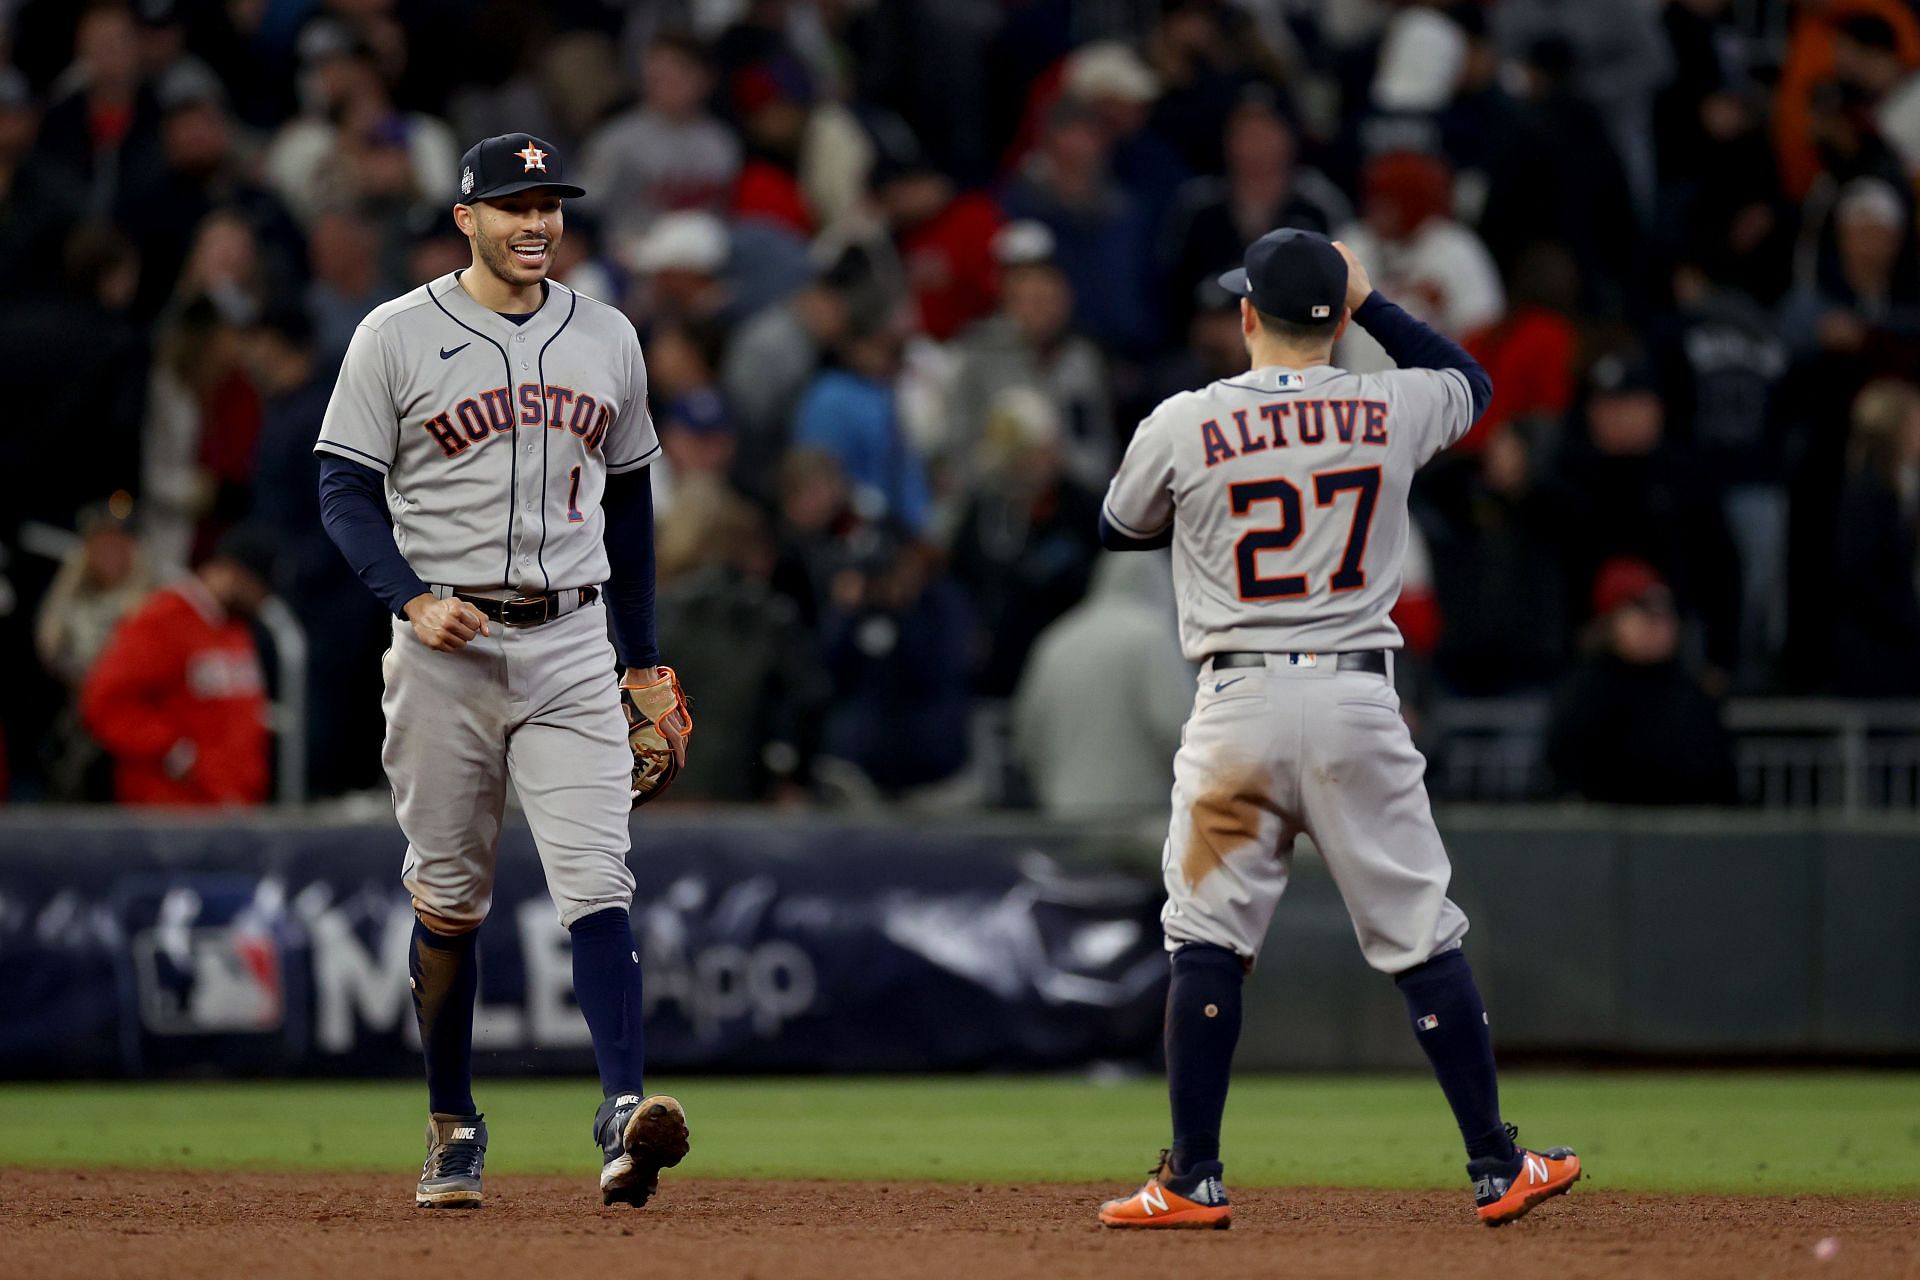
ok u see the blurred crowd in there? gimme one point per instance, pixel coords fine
(906, 273)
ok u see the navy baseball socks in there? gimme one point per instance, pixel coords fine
(638, 1135)
(1450, 1023)
(1203, 1026)
(444, 972)
(606, 982)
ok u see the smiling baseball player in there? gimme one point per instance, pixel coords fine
(483, 468)
(1283, 493)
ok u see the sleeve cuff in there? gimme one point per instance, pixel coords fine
(1130, 530)
(621, 468)
(351, 454)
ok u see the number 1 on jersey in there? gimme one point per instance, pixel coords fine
(573, 499)
(1363, 482)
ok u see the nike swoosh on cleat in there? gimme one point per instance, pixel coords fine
(448, 355)
(1228, 683)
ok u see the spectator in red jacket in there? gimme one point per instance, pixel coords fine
(177, 698)
(1529, 353)
(945, 239)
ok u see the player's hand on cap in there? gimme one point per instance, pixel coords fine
(1359, 283)
(445, 626)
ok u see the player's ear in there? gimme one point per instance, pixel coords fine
(1346, 318)
(463, 218)
(1249, 321)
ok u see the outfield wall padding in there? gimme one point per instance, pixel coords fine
(139, 944)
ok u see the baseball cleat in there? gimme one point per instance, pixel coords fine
(1195, 1200)
(1506, 1190)
(638, 1138)
(450, 1177)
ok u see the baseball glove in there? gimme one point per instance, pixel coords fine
(650, 705)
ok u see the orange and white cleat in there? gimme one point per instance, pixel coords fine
(1506, 1190)
(1195, 1200)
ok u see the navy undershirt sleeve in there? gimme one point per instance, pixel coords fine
(1413, 344)
(629, 508)
(1114, 540)
(353, 509)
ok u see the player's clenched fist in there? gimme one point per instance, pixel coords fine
(1359, 283)
(445, 625)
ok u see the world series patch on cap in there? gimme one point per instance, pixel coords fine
(512, 162)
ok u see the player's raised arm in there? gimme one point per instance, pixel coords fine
(1413, 344)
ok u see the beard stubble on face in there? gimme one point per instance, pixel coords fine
(499, 259)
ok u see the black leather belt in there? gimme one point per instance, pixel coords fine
(1374, 660)
(526, 611)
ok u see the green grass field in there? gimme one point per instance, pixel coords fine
(1744, 1133)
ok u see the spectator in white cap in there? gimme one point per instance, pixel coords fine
(1118, 86)
(1863, 286)
(1420, 63)
(1029, 341)
(679, 261)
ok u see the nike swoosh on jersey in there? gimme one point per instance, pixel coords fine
(1226, 683)
(448, 355)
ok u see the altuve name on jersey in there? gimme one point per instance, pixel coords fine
(478, 419)
(1309, 421)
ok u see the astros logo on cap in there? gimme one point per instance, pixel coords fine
(535, 158)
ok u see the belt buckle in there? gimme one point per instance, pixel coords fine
(526, 611)
(1303, 659)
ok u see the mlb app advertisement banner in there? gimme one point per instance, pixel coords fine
(145, 947)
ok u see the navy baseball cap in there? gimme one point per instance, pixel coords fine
(1292, 275)
(509, 163)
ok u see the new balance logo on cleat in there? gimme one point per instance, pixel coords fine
(1197, 1199)
(1507, 1190)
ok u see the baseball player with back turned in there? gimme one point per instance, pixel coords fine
(483, 468)
(1283, 493)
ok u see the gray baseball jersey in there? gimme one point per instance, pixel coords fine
(1287, 493)
(496, 439)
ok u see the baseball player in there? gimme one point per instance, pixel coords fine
(1283, 493)
(483, 468)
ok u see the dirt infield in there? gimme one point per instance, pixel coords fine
(103, 1224)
